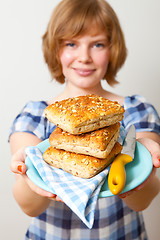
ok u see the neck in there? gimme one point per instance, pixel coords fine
(73, 91)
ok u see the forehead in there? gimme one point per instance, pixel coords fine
(80, 28)
(93, 31)
(89, 37)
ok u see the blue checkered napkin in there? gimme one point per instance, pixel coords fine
(79, 194)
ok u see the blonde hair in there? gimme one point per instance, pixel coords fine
(73, 18)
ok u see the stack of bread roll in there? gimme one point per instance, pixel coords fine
(85, 139)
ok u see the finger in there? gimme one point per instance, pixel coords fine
(38, 190)
(18, 162)
(156, 159)
(126, 194)
(18, 167)
(20, 155)
(147, 180)
(58, 199)
(154, 149)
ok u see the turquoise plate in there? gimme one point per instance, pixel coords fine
(136, 171)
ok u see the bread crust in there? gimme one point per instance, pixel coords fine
(84, 113)
(79, 165)
(97, 143)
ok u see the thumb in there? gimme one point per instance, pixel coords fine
(18, 162)
(18, 167)
(156, 159)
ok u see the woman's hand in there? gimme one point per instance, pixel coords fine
(154, 149)
(19, 167)
(40, 191)
(124, 195)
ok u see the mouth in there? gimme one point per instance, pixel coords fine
(84, 72)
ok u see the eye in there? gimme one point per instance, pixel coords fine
(70, 44)
(99, 45)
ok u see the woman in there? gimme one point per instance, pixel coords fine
(83, 46)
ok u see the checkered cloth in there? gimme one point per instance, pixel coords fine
(79, 194)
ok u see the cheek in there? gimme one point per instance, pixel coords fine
(103, 61)
(66, 58)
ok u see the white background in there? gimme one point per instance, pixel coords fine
(24, 77)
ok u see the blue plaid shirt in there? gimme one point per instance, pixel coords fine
(113, 219)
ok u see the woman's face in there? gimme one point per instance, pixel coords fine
(85, 59)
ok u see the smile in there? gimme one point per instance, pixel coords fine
(84, 72)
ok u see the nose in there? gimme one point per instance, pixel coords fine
(84, 55)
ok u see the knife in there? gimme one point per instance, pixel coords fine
(117, 174)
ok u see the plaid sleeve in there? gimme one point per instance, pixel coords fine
(140, 113)
(31, 120)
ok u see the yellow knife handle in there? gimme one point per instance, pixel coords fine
(117, 174)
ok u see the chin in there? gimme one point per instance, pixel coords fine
(87, 84)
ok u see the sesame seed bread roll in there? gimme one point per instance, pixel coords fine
(98, 143)
(84, 113)
(79, 165)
